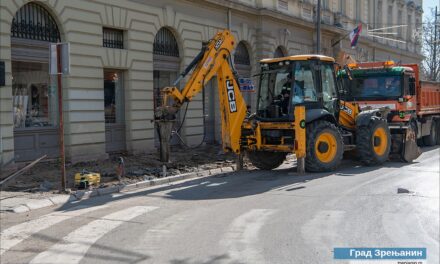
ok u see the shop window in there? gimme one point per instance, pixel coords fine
(34, 99)
(113, 97)
(112, 38)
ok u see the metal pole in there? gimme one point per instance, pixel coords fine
(61, 119)
(434, 69)
(374, 26)
(318, 28)
(229, 19)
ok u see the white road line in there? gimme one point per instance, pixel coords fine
(16, 234)
(215, 184)
(242, 237)
(409, 231)
(75, 245)
(321, 233)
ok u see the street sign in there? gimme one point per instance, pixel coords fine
(65, 58)
(246, 85)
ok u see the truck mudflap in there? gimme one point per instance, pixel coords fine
(404, 145)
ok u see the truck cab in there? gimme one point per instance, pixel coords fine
(413, 107)
(382, 86)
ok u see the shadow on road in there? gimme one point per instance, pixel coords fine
(238, 184)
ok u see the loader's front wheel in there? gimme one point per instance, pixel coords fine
(266, 160)
(324, 147)
(373, 142)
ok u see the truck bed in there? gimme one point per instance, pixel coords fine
(429, 99)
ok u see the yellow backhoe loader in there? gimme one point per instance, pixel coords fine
(298, 110)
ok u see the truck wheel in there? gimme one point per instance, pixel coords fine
(438, 131)
(266, 160)
(324, 147)
(373, 142)
(431, 139)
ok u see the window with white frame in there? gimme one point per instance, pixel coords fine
(283, 4)
(342, 6)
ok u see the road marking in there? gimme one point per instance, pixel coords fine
(215, 184)
(75, 245)
(242, 237)
(409, 231)
(16, 234)
(321, 232)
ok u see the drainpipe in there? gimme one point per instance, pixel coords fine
(229, 19)
(375, 26)
(318, 28)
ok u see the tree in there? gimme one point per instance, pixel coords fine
(431, 63)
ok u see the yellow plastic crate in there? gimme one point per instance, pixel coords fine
(85, 179)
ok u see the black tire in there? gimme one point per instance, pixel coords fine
(431, 139)
(438, 131)
(266, 160)
(314, 131)
(366, 142)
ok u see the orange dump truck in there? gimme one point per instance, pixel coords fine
(414, 105)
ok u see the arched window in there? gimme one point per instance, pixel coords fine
(165, 43)
(241, 55)
(279, 52)
(166, 65)
(34, 93)
(33, 21)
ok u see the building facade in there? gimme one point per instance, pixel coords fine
(123, 51)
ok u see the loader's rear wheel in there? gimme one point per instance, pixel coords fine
(266, 160)
(324, 147)
(431, 139)
(373, 142)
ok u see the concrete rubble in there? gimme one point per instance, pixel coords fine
(38, 187)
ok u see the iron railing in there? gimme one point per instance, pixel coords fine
(241, 55)
(112, 38)
(165, 43)
(32, 21)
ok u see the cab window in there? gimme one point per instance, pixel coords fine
(304, 89)
(329, 95)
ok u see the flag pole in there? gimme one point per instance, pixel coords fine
(339, 40)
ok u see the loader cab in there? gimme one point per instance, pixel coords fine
(307, 80)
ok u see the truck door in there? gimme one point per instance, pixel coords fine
(329, 89)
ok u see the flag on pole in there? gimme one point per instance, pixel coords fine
(354, 35)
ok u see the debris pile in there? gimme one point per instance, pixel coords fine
(45, 176)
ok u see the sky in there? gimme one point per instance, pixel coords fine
(427, 5)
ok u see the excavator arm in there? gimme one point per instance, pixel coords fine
(214, 59)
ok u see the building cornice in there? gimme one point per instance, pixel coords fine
(283, 18)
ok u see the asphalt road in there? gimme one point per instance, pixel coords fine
(244, 217)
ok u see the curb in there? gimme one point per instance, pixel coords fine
(83, 195)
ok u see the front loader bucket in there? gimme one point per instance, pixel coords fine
(411, 151)
(404, 146)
